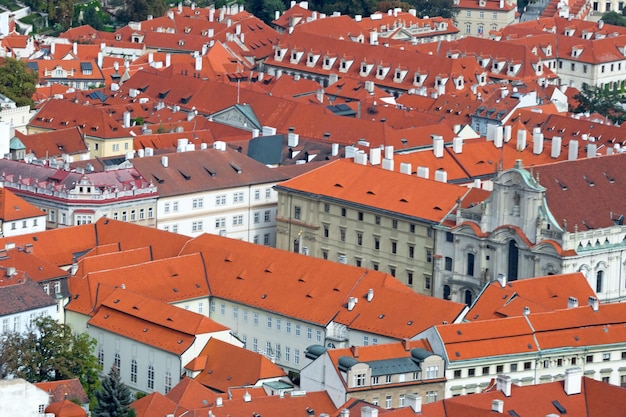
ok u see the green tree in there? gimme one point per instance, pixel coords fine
(113, 397)
(17, 81)
(614, 18)
(265, 9)
(60, 12)
(432, 8)
(595, 99)
(50, 351)
(139, 10)
(92, 18)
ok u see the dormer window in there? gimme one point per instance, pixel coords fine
(310, 59)
(381, 72)
(326, 62)
(294, 55)
(363, 67)
(187, 30)
(118, 37)
(181, 42)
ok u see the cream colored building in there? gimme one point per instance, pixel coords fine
(479, 17)
(365, 216)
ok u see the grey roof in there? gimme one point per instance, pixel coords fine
(393, 366)
(23, 295)
(420, 354)
(346, 362)
(86, 66)
(314, 351)
(267, 150)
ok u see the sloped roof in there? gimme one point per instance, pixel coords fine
(14, 208)
(585, 194)
(66, 408)
(190, 394)
(578, 326)
(19, 293)
(69, 389)
(306, 288)
(202, 170)
(35, 267)
(93, 121)
(55, 143)
(377, 188)
(155, 405)
(540, 294)
(231, 366)
(151, 321)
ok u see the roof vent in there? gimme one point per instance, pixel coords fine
(247, 397)
(497, 406)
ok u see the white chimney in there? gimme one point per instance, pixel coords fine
(526, 310)
(182, 145)
(150, 57)
(351, 303)
(75, 48)
(491, 132)
(375, 156)
(457, 144)
(255, 133)
(405, 168)
(537, 143)
(388, 164)
(591, 150)
(593, 303)
(369, 412)
(556, 147)
(441, 175)
(52, 49)
(140, 153)
(198, 63)
(276, 15)
(370, 294)
(389, 152)
(268, 131)
(335, 151)
(293, 139)
(238, 29)
(350, 151)
(507, 133)
(501, 278)
(116, 66)
(247, 397)
(572, 302)
(497, 140)
(503, 383)
(572, 150)
(211, 32)
(497, 406)
(149, 151)
(360, 158)
(521, 140)
(573, 381)
(127, 119)
(422, 172)
(100, 59)
(414, 401)
(373, 38)
(438, 146)
(164, 161)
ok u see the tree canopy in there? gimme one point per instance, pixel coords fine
(139, 10)
(595, 99)
(113, 399)
(614, 18)
(17, 81)
(50, 351)
(60, 12)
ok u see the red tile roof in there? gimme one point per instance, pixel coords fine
(156, 405)
(231, 366)
(67, 389)
(66, 408)
(541, 294)
(55, 143)
(190, 394)
(14, 208)
(152, 322)
(309, 291)
(375, 187)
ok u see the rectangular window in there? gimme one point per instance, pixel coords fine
(255, 344)
(318, 335)
(376, 243)
(266, 239)
(255, 319)
(326, 230)
(287, 353)
(606, 357)
(388, 401)
(343, 212)
(175, 206)
(196, 226)
(269, 322)
(359, 238)
(448, 264)
(471, 372)
(342, 234)
(268, 192)
(513, 367)
(150, 213)
(394, 224)
(411, 251)
(589, 359)
(297, 212)
(220, 200)
(257, 194)
(297, 330)
(394, 247)
(360, 216)
(222, 309)
(309, 333)
(245, 316)
(366, 340)
(235, 312)
(377, 220)
(238, 197)
(375, 380)
(288, 327)
(359, 380)
(326, 208)
(388, 379)
(499, 369)
(296, 356)
(528, 365)
(449, 237)
(431, 396)
(268, 216)
(429, 255)
(427, 282)
(409, 277)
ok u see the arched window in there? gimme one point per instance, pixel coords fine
(151, 377)
(599, 281)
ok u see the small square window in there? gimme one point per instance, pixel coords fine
(471, 372)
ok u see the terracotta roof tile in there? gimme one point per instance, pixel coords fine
(231, 366)
(54, 144)
(69, 389)
(14, 208)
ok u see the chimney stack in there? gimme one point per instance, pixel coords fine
(502, 279)
(572, 150)
(370, 295)
(414, 401)
(503, 383)
(572, 302)
(556, 147)
(593, 303)
(573, 381)
(438, 146)
(497, 406)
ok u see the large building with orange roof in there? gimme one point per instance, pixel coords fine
(381, 374)
(534, 348)
(367, 216)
